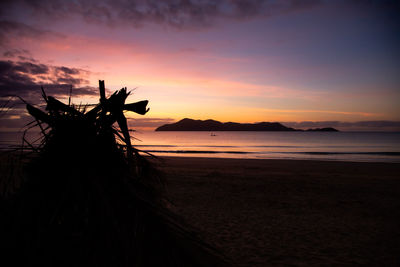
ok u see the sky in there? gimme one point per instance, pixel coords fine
(304, 63)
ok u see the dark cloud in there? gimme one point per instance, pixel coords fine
(27, 59)
(176, 13)
(66, 70)
(26, 67)
(348, 126)
(12, 27)
(12, 53)
(10, 30)
(376, 3)
(20, 54)
(24, 79)
(15, 122)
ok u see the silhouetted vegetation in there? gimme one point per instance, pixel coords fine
(89, 198)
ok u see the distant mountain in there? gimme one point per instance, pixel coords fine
(328, 129)
(213, 126)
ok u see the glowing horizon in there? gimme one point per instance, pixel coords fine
(288, 63)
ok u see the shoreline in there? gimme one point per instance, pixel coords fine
(162, 157)
(290, 212)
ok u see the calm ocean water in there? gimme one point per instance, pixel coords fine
(344, 146)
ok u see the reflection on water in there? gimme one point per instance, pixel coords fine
(348, 146)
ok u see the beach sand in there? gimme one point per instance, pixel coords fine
(290, 212)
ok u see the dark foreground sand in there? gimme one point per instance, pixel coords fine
(289, 212)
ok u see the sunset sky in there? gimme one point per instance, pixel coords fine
(325, 62)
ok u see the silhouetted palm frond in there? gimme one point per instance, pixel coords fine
(91, 199)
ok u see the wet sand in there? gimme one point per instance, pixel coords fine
(289, 212)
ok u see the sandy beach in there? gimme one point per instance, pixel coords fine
(289, 212)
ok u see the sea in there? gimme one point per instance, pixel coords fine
(328, 146)
(338, 146)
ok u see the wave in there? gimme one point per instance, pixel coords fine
(199, 152)
(317, 153)
(346, 153)
(155, 146)
(183, 146)
(260, 146)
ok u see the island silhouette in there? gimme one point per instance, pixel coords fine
(213, 125)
